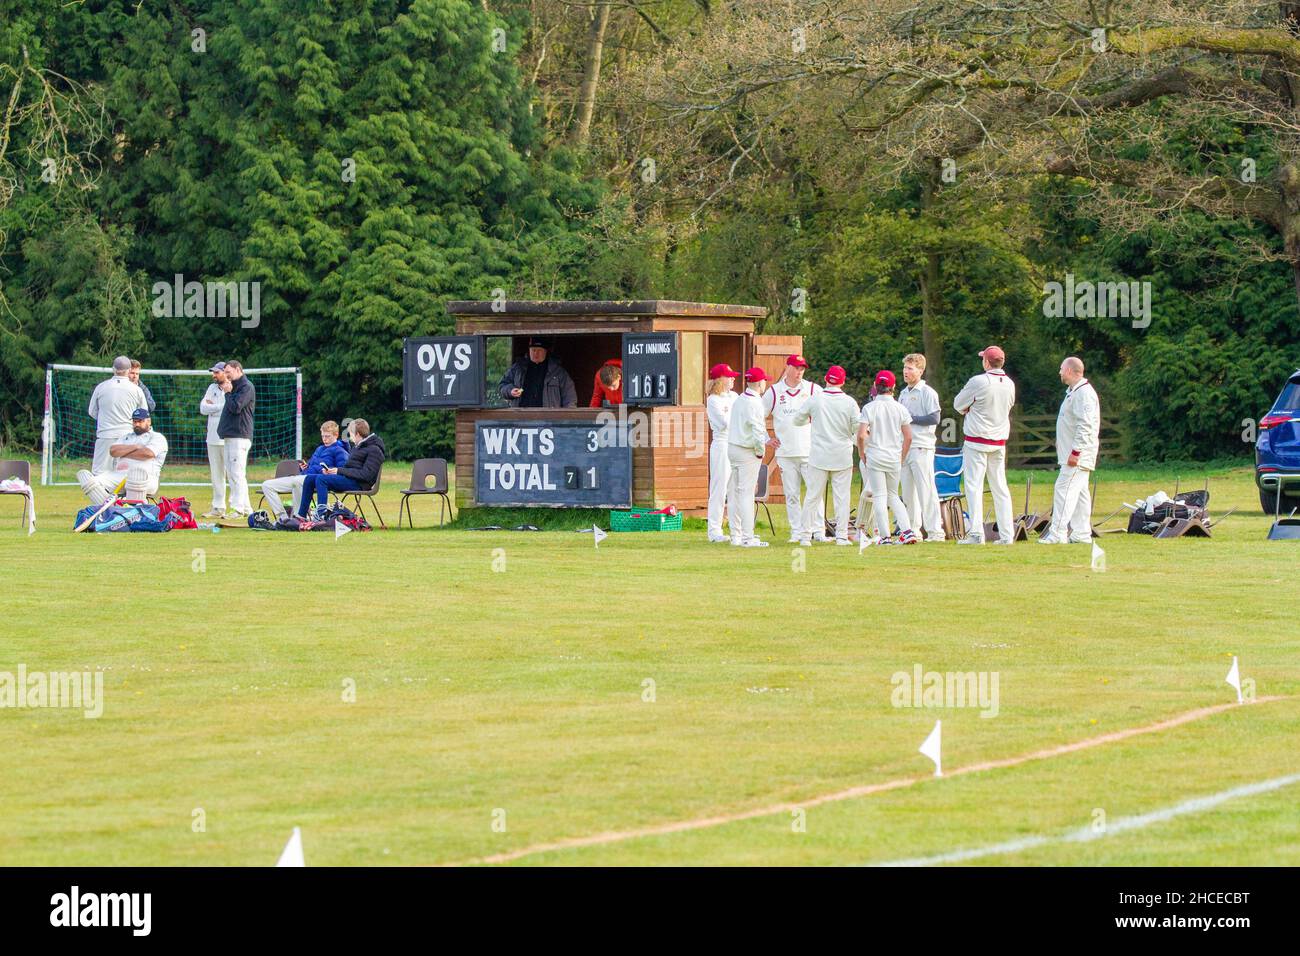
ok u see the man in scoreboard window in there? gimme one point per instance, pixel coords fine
(538, 381)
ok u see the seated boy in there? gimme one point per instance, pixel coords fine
(330, 453)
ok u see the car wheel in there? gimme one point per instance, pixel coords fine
(1268, 501)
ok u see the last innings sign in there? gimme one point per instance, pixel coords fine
(531, 464)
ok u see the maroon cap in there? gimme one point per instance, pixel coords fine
(835, 375)
(755, 374)
(884, 379)
(723, 370)
(797, 361)
(993, 352)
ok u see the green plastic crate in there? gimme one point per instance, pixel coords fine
(635, 520)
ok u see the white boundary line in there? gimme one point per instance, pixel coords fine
(853, 793)
(1086, 834)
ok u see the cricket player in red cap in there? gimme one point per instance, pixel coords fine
(747, 443)
(884, 439)
(986, 402)
(834, 417)
(722, 396)
(782, 401)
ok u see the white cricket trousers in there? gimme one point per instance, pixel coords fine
(1071, 504)
(977, 461)
(236, 460)
(275, 487)
(794, 476)
(719, 478)
(217, 469)
(918, 491)
(882, 478)
(740, 492)
(841, 481)
(102, 462)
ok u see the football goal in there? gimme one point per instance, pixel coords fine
(68, 435)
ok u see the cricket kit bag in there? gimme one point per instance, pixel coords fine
(177, 511)
(322, 519)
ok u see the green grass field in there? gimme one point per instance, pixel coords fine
(509, 672)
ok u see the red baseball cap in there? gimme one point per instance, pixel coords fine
(755, 374)
(835, 375)
(993, 352)
(723, 370)
(797, 361)
(884, 379)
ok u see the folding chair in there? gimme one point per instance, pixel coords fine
(421, 472)
(948, 465)
(287, 468)
(760, 496)
(342, 496)
(22, 470)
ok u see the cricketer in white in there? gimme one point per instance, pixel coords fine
(1078, 430)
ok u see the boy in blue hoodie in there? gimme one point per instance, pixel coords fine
(330, 453)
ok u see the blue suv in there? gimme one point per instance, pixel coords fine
(1277, 453)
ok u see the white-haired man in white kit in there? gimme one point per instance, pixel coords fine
(834, 417)
(1078, 431)
(986, 402)
(782, 401)
(917, 489)
(112, 403)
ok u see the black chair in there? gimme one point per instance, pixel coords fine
(343, 496)
(287, 468)
(22, 470)
(760, 495)
(421, 472)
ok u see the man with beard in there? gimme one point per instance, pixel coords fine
(137, 460)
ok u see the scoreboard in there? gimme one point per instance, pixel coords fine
(552, 464)
(650, 368)
(443, 371)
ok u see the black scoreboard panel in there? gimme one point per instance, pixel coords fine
(650, 363)
(443, 371)
(529, 464)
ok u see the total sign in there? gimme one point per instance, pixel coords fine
(444, 371)
(552, 464)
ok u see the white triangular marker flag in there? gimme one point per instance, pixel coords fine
(340, 529)
(1234, 678)
(598, 535)
(1098, 558)
(931, 748)
(292, 855)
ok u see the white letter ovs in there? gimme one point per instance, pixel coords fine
(441, 355)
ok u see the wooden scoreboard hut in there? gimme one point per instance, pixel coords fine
(651, 451)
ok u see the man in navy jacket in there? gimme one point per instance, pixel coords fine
(358, 473)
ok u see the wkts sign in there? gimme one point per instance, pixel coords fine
(552, 464)
(444, 371)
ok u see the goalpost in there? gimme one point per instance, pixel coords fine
(68, 431)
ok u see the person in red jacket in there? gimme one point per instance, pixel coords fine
(609, 384)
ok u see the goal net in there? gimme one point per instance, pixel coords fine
(69, 431)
